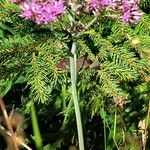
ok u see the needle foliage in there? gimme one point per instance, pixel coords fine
(31, 56)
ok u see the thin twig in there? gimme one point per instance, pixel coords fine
(9, 134)
(7, 119)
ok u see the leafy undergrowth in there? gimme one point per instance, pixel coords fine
(113, 82)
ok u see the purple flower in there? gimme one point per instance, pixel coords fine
(43, 11)
(95, 4)
(125, 5)
(111, 3)
(126, 16)
(137, 16)
(128, 9)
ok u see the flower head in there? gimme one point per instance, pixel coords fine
(95, 4)
(44, 11)
(41, 11)
(130, 12)
(128, 9)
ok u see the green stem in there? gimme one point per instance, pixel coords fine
(73, 72)
(105, 142)
(104, 122)
(36, 130)
(114, 132)
(146, 128)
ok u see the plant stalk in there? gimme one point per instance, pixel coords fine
(73, 72)
(35, 126)
(146, 127)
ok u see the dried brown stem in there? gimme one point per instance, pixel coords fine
(21, 143)
(8, 124)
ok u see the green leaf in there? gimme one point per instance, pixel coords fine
(5, 87)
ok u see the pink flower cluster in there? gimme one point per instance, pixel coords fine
(41, 11)
(95, 4)
(44, 11)
(128, 9)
